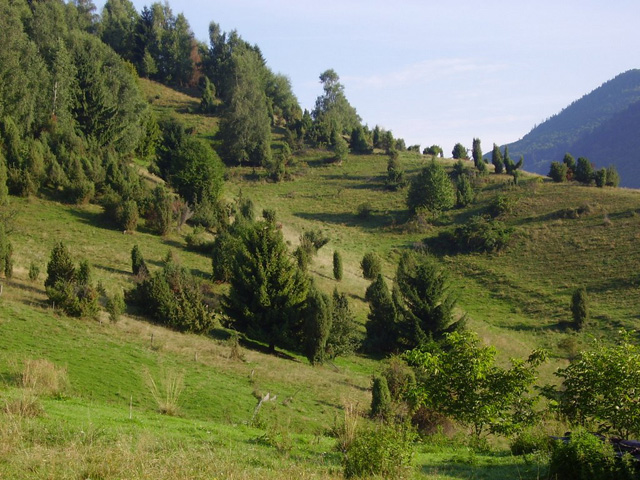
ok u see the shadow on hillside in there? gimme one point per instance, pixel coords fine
(374, 221)
(464, 468)
(113, 270)
(560, 326)
(95, 219)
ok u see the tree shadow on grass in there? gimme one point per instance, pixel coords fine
(466, 469)
(373, 221)
(95, 219)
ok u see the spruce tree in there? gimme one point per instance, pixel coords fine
(380, 399)
(138, 265)
(60, 267)
(381, 321)
(344, 338)
(267, 290)
(476, 152)
(431, 189)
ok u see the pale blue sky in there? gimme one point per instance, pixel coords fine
(438, 71)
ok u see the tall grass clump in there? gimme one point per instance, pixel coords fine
(43, 377)
(166, 392)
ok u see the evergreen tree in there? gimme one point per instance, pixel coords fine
(339, 146)
(337, 265)
(317, 325)
(371, 265)
(380, 399)
(496, 159)
(558, 172)
(267, 291)
(381, 320)
(459, 151)
(580, 308)
(584, 171)
(424, 300)
(208, 100)
(138, 265)
(432, 190)
(395, 175)
(570, 162)
(60, 267)
(600, 177)
(333, 111)
(476, 152)
(464, 191)
(4, 191)
(343, 336)
(613, 178)
(360, 142)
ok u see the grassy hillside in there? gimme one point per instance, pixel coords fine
(105, 423)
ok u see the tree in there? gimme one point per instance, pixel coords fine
(208, 100)
(360, 142)
(317, 325)
(600, 177)
(600, 388)
(138, 265)
(464, 191)
(476, 152)
(344, 338)
(496, 159)
(580, 308)
(584, 171)
(371, 265)
(117, 26)
(4, 191)
(459, 379)
(381, 321)
(434, 150)
(558, 172)
(395, 174)
(333, 111)
(337, 265)
(570, 162)
(6, 253)
(267, 291)
(613, 178)
(60, 267)
(339, 146)
(245, 128)
(459, 151)
(424, 302)
(432, 190)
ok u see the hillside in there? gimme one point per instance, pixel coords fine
(601, 126)
(107, 425)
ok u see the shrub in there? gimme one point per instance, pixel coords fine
(580, 308)
(400, 377)
(531, 440)
(371, 265)
(34, 271)
(138, 265)
(385, 451)
(483, 234)
(586, 457)
(115, 307)
(364, 211)
(502, 205)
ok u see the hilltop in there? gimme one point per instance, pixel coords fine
(600, 126)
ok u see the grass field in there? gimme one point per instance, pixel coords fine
(106, 423)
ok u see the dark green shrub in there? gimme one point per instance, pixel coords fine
(400, 377)
(115, 307)
(34, 271)
(613, 178)
(502, 205)
(385, 451)
(530, 441)
(380, 399)
(580, 308)
(483, 234)
(364, 211)
(600, 177)
(128, 216)
(371, 265)
(138, 265)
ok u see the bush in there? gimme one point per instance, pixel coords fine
(337, 265)
(371, 265)
(483, 234)
(530, 441)
(364, 211)
(502, 205)
(587, 457)
(385, 451)
(558, 172)
(34, 271)
(115, 307)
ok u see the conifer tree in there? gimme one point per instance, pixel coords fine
(337, 265)
(60, 267)
(476, 152)
(496, 159)
(380, 398)
(344, 338)
(381, 321)
(432, 190)
(580, 308)
(138, 265)
(317, 325)
(267, 291)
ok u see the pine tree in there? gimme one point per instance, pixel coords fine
(138, 265)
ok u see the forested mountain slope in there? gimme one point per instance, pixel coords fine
(601, 126)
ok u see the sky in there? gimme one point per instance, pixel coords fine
(437, 72)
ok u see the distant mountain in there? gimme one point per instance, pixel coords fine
(603, 126)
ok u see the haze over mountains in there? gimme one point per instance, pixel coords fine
(603, 126)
